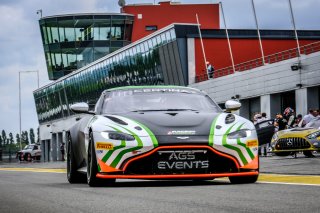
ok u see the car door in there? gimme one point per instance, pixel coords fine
(265, 131)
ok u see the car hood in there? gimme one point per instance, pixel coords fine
(296, 132)
(180, 123)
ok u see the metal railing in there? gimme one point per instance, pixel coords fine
(269, 59)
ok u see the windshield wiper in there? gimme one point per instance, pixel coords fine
(155, 110)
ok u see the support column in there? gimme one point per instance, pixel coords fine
(60, 141)
(53, 147)
(191, 61)
(301, 101)
(265, 105)
(43, 150)
(47, 150)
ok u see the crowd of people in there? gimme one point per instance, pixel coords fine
(288, 119)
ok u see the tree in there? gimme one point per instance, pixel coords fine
(4, 137)
(24, 137)
(18, 138)
(11, 140)
(31, 134)
(1, 141)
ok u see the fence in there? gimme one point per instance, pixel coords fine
(8, 156)
(269, 59)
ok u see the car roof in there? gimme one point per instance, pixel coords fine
(153, 87)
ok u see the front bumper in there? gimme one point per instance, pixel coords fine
(146, 166)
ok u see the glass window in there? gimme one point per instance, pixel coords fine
(99, 52)
(158, 101)
(45, 36)
(151, 28)
(173, 34)
(117, 29)
(55, 34)
(49, 35)
(70, 35)
(61, 34)
(168, 36)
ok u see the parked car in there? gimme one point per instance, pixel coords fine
(29, 152)
(160, 132)
(289, 141)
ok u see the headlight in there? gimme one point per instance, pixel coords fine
(314, 135)
(274, 137)
(242, 133)
(119, 136)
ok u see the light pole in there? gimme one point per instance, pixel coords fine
(20, 99)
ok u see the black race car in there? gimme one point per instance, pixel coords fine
(160, 132)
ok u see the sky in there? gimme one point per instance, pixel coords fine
(21, 45)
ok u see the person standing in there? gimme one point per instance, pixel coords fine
(62, 151)
(280, 122)
(307, 118)
(210, 69)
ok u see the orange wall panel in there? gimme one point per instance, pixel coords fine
(217, 51)
(165, 14)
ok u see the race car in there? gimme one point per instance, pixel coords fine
(29, 152)
(160, 132)
(290, 141)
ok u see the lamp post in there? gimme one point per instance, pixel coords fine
(36, 71)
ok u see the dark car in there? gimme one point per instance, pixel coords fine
(160, 132)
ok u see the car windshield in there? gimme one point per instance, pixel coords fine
(133, 101)
(28, 147)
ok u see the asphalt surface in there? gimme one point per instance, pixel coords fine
(33, 187)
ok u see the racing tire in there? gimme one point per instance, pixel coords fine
(27, 157)
(92, 166)
(21, 158)
(243, 179)
(308, 154)
(73, 175)
(283, 154)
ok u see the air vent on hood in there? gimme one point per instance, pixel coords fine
(117, 120)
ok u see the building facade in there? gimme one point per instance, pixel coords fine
(173, 55)
(73, 41)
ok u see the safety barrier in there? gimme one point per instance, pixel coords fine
(269, 59)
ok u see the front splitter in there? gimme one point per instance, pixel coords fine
(177, 176)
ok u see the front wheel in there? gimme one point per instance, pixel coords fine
(92, 166)
(308, 154)
(73, 175)
(283, 154)
(244, 179)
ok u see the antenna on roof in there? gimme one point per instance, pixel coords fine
(121, 3)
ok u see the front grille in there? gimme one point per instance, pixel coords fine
(292, 143)
(163, 162)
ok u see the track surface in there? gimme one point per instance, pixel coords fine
(47, 190)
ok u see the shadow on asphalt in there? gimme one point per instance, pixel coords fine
(146, 183)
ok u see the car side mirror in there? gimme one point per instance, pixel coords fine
(232, 105)
(80, 108)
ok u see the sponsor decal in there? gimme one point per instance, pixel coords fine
(182, 160)
(104, 146)
(173, 90)
(183, 137)
(252, 143)
(182, 132)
